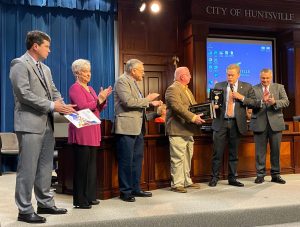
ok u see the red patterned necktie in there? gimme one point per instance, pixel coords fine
(266, 92)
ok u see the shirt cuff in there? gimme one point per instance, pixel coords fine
(52, 106)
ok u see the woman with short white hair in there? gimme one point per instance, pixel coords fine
(85, 140)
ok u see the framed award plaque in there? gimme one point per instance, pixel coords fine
(204, 108)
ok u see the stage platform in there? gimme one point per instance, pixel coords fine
(267, 204)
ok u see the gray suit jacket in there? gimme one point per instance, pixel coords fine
(129, 107)
(266, 113)
(32, 104)
(179, 118)
(240, 107)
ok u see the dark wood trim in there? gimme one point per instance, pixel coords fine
(156, 166)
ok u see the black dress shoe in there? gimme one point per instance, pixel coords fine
(235, 183)
(142, 194)
(51, 210)
(94, 202)
(259, 180)
(213, 182)
(83, 206)
(129, 198)
(278, 179)
(31, 218)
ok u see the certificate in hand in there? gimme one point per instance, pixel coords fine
(83, 118)
(204, 108)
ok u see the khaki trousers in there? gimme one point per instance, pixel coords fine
(181, 152)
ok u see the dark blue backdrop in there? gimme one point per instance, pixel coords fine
(78, 29)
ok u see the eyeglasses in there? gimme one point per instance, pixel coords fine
(140, 70)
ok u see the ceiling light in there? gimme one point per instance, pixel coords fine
(143, 7)
(155, 7)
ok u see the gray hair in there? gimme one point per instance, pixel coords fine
(266, 71)
(79, 64)
(234, 66)
(131, 64)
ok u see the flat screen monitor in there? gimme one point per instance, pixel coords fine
(252, 55)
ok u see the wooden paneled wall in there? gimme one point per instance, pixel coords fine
(153, 39)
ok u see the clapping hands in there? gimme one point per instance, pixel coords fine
(269, 99)
(104, 93)
(153, 96)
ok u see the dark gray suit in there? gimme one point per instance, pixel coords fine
(267, 124)
(230, 130)
(32, 122)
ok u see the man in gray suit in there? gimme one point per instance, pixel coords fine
(267, 124)
(36, 97)
(181, 124)
(230, 123)
(130, 107)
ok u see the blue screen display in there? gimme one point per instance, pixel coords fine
(251, 55)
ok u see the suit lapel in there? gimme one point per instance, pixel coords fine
(272, 90)
(260, 91)
(46, 79)
(181, 87)
(133, 86)
(33, 68)
(239, 87)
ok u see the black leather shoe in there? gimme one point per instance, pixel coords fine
(83, 206)
(129, 198)
(51, 210)
(278, 179)
(94, 202)
(213, 182)
(259, 180)
(235, 183)
(142, 194)
(31, 218)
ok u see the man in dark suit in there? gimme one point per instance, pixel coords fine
(36, 98)
(230, 123)
(267, 124)
(130, 106)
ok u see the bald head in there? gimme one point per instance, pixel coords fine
(182, 75)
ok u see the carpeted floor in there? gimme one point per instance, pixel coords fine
(267, 204)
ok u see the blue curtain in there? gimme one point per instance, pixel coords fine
(101, 5)
(74, 34)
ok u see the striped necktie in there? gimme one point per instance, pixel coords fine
(266, 92)
(38, 65)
